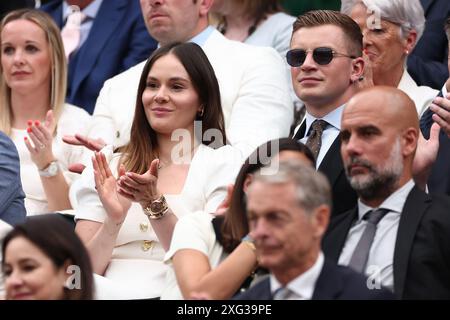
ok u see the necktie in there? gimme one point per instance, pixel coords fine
(360, 256)
(71, 32)
(314, 141)
(282, 293)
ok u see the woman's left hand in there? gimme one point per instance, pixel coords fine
(42, 137)
(140, 187)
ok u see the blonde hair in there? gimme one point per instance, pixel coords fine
(58, 66)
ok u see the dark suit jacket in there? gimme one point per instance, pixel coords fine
(344, 197)
(12, 208)
(427, 64)
(334, 283)
(439, 180)
(421, 254)
(117, 41)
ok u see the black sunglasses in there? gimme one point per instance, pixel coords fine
(322, 56)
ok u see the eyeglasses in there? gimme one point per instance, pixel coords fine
(322, 56)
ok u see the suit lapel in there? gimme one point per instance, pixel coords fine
(54, 9)
(415, 206)
(300, 132)
(328, 285)
(331, 164)
(109, 13)
(336, 235)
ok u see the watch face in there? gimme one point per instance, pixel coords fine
(157, 206)
(53, 168)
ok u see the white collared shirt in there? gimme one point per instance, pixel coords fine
(381, 257)
(330, 133)
(302, 287)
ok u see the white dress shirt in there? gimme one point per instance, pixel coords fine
(330, 133)
(381, 256)
(302, 287)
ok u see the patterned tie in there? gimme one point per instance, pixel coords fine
(314, 141)
(71, 32)
(360, 256)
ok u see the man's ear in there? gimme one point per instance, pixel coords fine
(321, 217)
(358, 65)
(205, 6)
(410, 138)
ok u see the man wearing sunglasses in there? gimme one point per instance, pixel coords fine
(326, 60)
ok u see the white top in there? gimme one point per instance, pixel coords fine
(194, 231)
(73, 120)
(330, 133)
(276, 32)
(131, 266)
(381, 256)
(302, 287)
(422, 96)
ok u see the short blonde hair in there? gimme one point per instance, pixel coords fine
(58, 65)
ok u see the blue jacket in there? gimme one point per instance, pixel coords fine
(117, 41)
(427, 64)
(12, 208)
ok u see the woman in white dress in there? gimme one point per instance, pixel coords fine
(32, 108)
(155, 176)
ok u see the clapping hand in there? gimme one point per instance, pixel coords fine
(441, 109)
(42, 137)
(80, 140)
(115, 205)
(140, 188)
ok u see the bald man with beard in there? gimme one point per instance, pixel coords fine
(408, 248)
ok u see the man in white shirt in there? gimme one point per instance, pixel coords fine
(254, 89)
(288, 213)
(397, 235)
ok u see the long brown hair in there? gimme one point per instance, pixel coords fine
(143, 146)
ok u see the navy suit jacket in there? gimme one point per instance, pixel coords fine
(427, 64)
(421, 252)
(334, 283)
(344, 197)
(117, 41)
(12, 208)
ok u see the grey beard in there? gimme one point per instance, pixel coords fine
(382, 181)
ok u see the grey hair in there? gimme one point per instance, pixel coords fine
(312, 187)
(408, 14)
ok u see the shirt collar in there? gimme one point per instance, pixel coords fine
(304, 285)
(201, 38)
(394, 203)
(90, 11)
(333, 118)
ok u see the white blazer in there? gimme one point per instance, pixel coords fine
(254, 93)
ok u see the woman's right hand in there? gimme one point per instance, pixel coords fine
(115, 205)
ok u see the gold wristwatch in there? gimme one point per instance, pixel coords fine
(157, 208)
